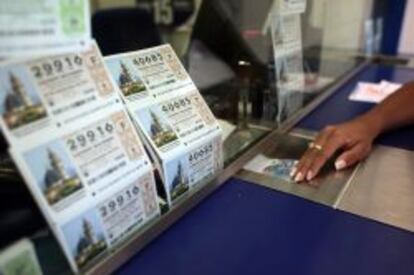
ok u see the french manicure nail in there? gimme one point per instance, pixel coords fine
(340, 164)
(299, 177)
(293, 172)
(309, 176)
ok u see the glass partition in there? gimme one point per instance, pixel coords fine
(228, 51)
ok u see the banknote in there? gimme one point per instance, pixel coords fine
(274, 167)
(280, 168)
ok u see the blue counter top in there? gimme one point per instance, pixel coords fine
(248, 229)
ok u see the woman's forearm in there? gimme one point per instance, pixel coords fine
(395, 111)
(355, 137)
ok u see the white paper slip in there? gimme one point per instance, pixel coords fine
(19, 259)
(43, 27)
(389, 87)
(373, 92)
(277, 168)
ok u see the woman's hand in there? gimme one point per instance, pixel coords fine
(354, 138)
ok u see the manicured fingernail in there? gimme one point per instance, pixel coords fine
(299, 177)
(309, 176)
(293, 172)
(340, 164)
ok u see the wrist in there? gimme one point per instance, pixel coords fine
(374, 122)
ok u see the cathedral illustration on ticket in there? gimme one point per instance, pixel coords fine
(128, 83)
(160, 133)
(89, 245)
(179, 184)
(58, 183)
(19, 108)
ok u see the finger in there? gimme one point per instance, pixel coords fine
(332, 145)
(302, 169)
(323, 135)
(304, 165)
(352, 156)
(294, 168)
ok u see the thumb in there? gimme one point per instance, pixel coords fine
(351, 156)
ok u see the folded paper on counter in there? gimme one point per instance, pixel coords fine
(373, 92)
